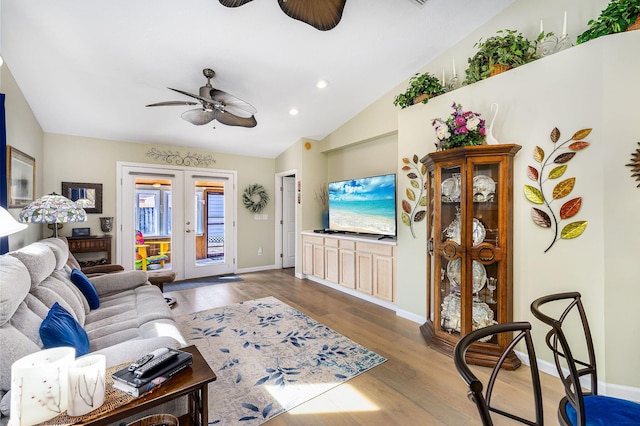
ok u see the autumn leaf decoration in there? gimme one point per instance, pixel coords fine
(557, 160)
(414, 207)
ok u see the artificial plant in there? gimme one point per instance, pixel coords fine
(419, 84)
(508, 48)
(615, 18)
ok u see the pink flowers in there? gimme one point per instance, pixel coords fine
(462, 128)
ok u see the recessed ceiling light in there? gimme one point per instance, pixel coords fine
(322, 84)
(293, 111)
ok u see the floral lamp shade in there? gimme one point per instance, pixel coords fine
(53, 208)
(39, 385)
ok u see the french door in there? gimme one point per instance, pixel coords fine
(181, 219)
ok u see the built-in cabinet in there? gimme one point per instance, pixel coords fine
(366, 265)
(469, 248)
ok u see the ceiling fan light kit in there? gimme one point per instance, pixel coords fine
(214, 105)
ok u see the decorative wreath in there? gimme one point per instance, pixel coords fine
(251, 194)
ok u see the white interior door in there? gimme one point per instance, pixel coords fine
(288, 221)
(209, 224)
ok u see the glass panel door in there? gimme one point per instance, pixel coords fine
(152, 223)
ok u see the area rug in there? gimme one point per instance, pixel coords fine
(200, 282)
(269, 358)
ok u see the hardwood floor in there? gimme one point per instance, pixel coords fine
(416, 386)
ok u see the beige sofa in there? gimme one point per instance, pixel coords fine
(132, 319)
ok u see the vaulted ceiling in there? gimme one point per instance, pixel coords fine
(88, 68)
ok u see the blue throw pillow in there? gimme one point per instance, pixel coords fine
(60, 328)
(86, 287)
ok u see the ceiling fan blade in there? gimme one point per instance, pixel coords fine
(229, 119)
(233, 3)
(232, 104)
(168, 103)
(322, 15)
(205, 100)
(198, 116)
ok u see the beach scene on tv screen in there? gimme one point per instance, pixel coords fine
(365, 205)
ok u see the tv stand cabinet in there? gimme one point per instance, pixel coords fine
(364, 266)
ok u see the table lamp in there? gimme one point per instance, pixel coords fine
(53, 209)
(8, 225)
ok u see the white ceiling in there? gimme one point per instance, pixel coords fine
(88, 68)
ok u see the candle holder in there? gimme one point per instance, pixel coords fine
(106, 224)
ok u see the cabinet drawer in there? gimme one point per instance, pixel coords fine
(347, 245)
(380, 249)
(330, 242)
(310, 239)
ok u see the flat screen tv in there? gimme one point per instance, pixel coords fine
(365, 205)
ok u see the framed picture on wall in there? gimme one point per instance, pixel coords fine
(86, 195)
(21, 177)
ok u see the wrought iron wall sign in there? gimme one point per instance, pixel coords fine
(175, 157)
(561, 154)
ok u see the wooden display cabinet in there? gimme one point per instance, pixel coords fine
(469, 248)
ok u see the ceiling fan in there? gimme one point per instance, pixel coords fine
(322, 15)
(214, 105)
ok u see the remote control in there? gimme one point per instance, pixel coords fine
(156, 362)
(148, 357)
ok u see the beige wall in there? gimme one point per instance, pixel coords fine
(592, 85)
(25, 134)
(80, 159)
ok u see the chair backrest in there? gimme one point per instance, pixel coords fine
(475, 394)
(570, 369)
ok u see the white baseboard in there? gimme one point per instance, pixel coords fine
(604, 388)
(255, 269)
(351, 292)
(418, 319)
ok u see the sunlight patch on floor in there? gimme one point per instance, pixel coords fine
(343, 398)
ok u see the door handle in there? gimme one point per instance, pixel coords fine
(189, 230)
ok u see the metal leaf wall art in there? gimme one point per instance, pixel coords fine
(414, 207)
(546, 216)
(635, 165)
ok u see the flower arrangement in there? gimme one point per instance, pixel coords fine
(462, 128)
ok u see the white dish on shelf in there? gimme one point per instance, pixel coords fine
(479, 274)
(483, 188)
(453, 231)
(451, 189)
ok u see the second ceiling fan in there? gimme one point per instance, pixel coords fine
(214, 105)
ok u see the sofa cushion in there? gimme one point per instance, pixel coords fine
(60, 250)
(86, 287)
(66, 296)
(39, 260)
(14, 286)
(59, 328)
(15, 345)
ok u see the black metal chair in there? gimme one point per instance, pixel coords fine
(580, 407)
(475, 394)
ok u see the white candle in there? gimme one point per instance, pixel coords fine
(454, 67)
(444, 82)
(564, 24)
(541, 27)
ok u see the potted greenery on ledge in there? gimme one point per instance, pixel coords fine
(501, 52)
(421, 88)
(618, 16)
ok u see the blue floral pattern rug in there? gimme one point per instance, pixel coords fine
(269, 358)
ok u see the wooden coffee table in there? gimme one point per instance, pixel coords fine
(193, 381)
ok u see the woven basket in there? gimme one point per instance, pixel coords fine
(635, 25)
(499, 68)
(421, 98)
(156, 420)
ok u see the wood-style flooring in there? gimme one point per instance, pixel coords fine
(416, 386)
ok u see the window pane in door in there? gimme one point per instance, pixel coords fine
(152, 224)
(209, 222)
